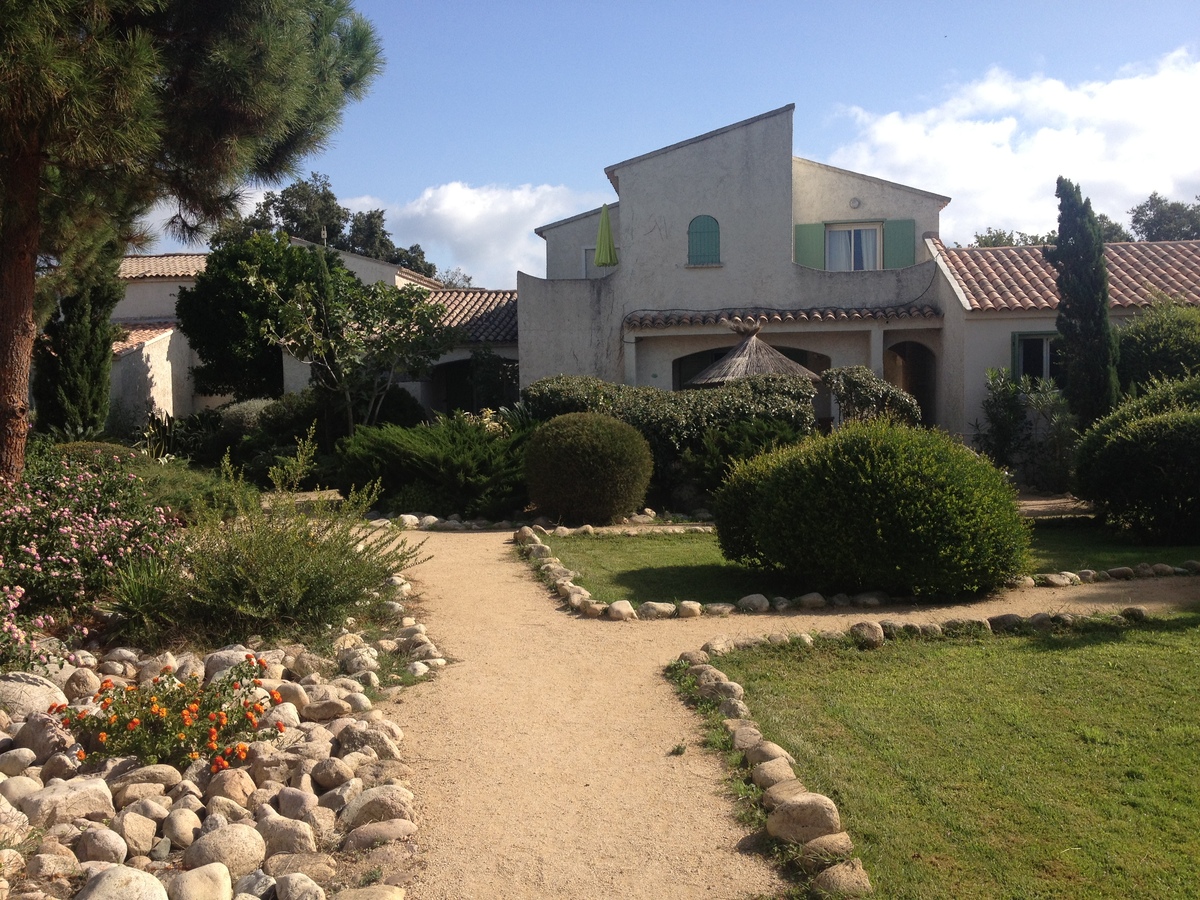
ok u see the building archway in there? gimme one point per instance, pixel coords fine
(912, 367)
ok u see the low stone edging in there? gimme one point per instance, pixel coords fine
(807, 819)
(331, 779)
(530, 544)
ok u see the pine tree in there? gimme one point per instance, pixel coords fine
(108, 106)
(1090, 346)
(74, 358)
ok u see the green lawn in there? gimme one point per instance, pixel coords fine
(675, 567)
(1056, 766)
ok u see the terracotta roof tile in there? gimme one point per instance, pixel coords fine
(485, 316)
(668, 318)
(134, 334)
(165, 265)
(1012, 278)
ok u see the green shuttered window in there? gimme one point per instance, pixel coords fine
(811, 245)
(704, 242)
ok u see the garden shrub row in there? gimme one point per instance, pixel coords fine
(875, 505)
(677, 422)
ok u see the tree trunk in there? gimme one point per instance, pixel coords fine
(20, 230)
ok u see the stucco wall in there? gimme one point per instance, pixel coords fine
(150, 299)
(823, 193)
(568, 327)
(567, 241)
(154, 376)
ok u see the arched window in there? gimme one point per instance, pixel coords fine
(704, 242)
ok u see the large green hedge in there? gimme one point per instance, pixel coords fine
(674, 422)
(1140, 464)
(876, 505)
(587, 467)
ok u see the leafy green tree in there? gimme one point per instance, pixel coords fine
(998, 237)
(456, 279)
(302, 209)
(1162, 342)
(414, 260)
(74, 358)
(223, 315)
(1160, 219)
(108, 106)
(360, 339)
(1112, 232)
(1089, 344)
(369, 236)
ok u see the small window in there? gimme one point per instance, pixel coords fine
(704, 242)
(852, 248)
(1038, 356)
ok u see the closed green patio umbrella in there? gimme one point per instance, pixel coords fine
(606, 251)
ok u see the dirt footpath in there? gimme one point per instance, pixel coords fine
(543, 754)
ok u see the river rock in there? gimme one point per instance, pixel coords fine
(847, 879)
(240, 847)
(803, 818)
(22, 693)
(123, 883)
(209, 882)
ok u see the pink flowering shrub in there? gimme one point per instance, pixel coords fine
(65, 528)
(19, 636)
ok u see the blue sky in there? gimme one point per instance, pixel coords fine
(493, 118)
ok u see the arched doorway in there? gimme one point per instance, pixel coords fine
(912, 367)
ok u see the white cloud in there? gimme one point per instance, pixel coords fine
(997, 145)
(487, 230)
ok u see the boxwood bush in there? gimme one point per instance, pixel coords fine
(678, 422)
(877, 505)
(587, 467)
(735, 507)
(1139, 463)
(863, 395)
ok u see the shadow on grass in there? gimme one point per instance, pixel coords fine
(706, 583)
(1092, 632)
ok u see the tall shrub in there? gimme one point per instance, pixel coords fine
(862, 395)
(1163, 341)
(876, 505)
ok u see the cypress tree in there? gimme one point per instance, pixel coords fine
(1089, 344)
(74, 359)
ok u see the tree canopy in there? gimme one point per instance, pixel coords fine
(1160, 219)
(1088, 341)
(304, 207)
(108, 106)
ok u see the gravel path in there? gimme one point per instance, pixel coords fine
(542, 755)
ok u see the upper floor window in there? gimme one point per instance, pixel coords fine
(704, 242)
(852, 248)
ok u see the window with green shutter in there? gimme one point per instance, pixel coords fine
(810, 245)
(704, 242)
(899, 243)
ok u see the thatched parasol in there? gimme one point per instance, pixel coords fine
(750, 357)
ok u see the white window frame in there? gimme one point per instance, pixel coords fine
(852, 227)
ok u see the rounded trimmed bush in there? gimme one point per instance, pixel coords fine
(1146, 475)
(882, 506)
(587, 467)
(735, 506)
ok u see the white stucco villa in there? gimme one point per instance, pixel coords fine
(152, 360)
(840, 269)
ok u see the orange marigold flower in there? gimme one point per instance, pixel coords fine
(262, 663)
(279, 726)
(112, 720)
(133, 723)
(212, 717)
(131, 687)
(237, 685)
(193, 755)
(166, 669)
(276, 697)
(102, 736)
(211, 745)
(80, 755)
(66, 720)
(257, 682)
(249, 656)
(181, 736)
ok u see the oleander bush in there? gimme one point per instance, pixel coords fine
(675, 423)
(462, 463)
(587, 467)
(877, 505)
(862, 395)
